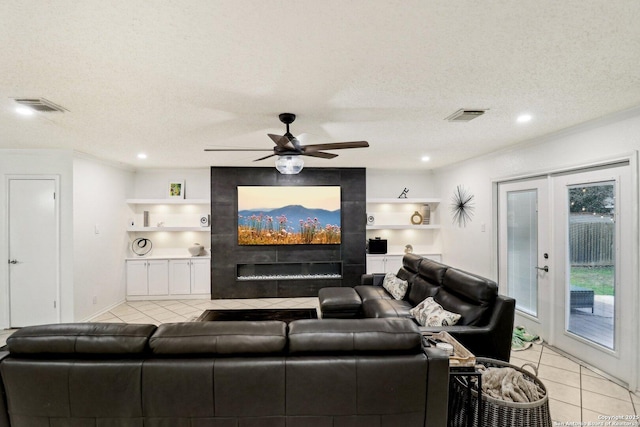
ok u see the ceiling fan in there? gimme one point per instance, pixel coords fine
(288, 148)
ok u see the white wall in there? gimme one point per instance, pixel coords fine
(599, 141)
(40, 162)
(472, 249)
(100, 239)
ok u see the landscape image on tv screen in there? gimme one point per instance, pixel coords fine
(289, 215)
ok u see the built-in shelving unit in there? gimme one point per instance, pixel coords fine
(174, 220)
(168, 272)
(392, 221)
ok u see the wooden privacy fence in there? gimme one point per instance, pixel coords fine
(592, 243)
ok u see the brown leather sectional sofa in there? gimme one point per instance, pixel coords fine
(486, 325)
(310, 373)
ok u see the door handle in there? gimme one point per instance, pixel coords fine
(545, 268)
(13, 261)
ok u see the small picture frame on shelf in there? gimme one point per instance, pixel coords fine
(176, 190)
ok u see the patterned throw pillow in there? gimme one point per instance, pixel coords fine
(430, 313)
(395, 286)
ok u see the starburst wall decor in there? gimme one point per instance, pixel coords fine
(462, 206)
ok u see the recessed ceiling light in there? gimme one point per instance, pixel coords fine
(425, 158)
(142, 156)
(524, 118)
(25, 111)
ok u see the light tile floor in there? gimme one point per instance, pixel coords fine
(576, 394)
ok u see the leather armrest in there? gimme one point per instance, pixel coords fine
(437, 387)
(374, 279)
(492, 340)
(4, 415)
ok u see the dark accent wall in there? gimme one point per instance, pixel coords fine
(226, 253)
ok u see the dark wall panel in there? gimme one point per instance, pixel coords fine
(226, 253)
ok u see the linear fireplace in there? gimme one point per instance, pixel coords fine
(290, 271)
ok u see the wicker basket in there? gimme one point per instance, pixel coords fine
(495, 412)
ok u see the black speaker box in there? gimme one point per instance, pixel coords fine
(377, 246)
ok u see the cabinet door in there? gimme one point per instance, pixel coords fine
(179, 276)
(158, 277)
(137, 278)
(376, 264)
(393, 263)
(200, 276)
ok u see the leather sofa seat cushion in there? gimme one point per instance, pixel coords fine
(81, 338)
(362, 335)
(386, 308)
(469, 295)
(368, 292)
(220, 337)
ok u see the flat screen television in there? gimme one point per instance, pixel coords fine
(289, 215)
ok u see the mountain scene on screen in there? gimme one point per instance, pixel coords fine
(288, 225)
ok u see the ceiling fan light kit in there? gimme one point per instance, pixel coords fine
(288, 149)
(289, 165)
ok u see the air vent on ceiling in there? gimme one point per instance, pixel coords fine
(465, 115)
(40, 104)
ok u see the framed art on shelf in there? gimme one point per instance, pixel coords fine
(176, 190)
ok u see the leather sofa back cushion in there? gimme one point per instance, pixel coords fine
(411, 262)
(81, 338)
(365, 335)
(219, 338)
(468, 295)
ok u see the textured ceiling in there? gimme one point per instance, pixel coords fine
(171, 78)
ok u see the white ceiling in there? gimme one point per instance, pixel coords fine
(170, 78)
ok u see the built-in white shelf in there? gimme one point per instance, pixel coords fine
(140, 229)
(168, 201)
(402, 227)
(407, 201)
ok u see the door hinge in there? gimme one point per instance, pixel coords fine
(54, 196)
(55, 304)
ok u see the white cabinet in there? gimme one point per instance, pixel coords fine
(168, 278)
(148, 277)
(383, 263)
(189, 276)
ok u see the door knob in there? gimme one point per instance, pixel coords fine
(13, 261)
(545, 268)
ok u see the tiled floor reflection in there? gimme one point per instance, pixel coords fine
(576, 394)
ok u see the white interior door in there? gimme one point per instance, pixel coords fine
(524, 251)
(33, 252)
(593, 224)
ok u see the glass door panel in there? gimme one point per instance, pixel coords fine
(522, 249)
(591, 269)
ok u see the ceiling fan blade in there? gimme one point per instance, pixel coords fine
(320, 154)
(237, 149)
(281, 140)
(265, 157)
(335, 146)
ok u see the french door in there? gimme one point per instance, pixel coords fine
(565, 254)
(524, 251)
(593, 277)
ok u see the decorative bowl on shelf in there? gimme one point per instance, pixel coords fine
(196, 250)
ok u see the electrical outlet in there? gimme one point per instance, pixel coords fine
(96, 229)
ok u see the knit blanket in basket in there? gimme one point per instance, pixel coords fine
(509, 384)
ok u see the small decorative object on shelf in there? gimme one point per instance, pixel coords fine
(426, 214)
(403, 195)
(196, 250)
(416, 218)
(408, 249)
(205, 220)
(371, 219)
(176, 190)
(462, 206)
(145, 219)
(141, 246)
